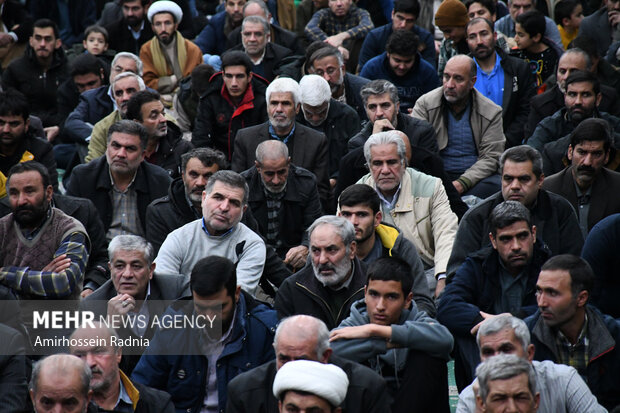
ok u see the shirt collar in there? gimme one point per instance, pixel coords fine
(204, 228)
(497, 66)
(582, 334)
(128, 186)
(29, 235)
(274, 135)
(389, 204)
(123, 396)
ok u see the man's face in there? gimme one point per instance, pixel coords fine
(43, 42)
(12, 129)
(568, 63)
(234, 9)
(518, 7)
(382, 107)
(587, 159)
(290, 347)
(236, 80)
(402, 20)
(254, 38)
(613, 5)
(123, 90)
(515, 245)
(153, 118)
(363, 220)
(339, 7)
(219, 307)
(386, 167)
(59, 392)
(131, 273)
(385, 301)
(331, 261)
(87, 81)
(519, 182)
(315, 115)
(28, 198)
(195, 178)
(478, 10)
(123, 64)
(510, 395)
(282, 109)
(274, 173)
(303, 402)
(124, 153)
(454, 33)
(481, 40)
(401, 65)
(555, 299)
(222, 208)
(164, 27)
(102, 359)
(330, 70)
(133, 12)
(581, 101)
(503, 342)
(457, 83)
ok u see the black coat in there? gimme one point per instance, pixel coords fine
(92, 181)
(252, 391)
(42, 151)
(14, 14)
(171, 147)
(353, 84)
(274, 53)
(121, 39)
(279, 36)
(81, 15)
(14, 372)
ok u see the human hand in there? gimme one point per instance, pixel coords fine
(296, 256)
(121, 304)
(51, 132)
(346, 333)
(459, 188)
(381, 125)
(86, 292)
(58, 264)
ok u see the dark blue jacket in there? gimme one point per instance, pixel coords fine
(421, 79)
(93, 106)
(211, 39)
(475, 287)
(375, 42)
(601, 375)
(352, 86)
(184, 376)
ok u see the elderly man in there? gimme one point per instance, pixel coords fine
(219, 233)
(284, 200)
(414, 202)
(506, 24)
(121, 184)
(468, 127)
(303, 337)
(307, 148)
(111, 389)
(336, 120)
(327, 288)
(561, 388)
(168, 57)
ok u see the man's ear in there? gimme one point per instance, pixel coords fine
(492, 238)
(378, 218)
(569, 153)
(408, 300)
(530, 352)
(237, 293)
(582, 298)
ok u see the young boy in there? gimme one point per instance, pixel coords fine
(407, 347)
(532, 47)
(568, 15)
(95, 40)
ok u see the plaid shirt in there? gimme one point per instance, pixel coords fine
(324, 23)
(574, 355)
(50, 284)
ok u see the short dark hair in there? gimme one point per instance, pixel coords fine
(14, 103)
(360, 194)
(407, 6)
(403, 43)
(533, 22)
(134, 106)
(391, 269)
(44, 24)
(230, 178)
(506, 214)
(130, 127)
(22, 167)
(476, 20)
(581, 274)
(237, 58)
(563, 10)
(579, 76)
(84, 64)
(211, 274)
(200, 78)
(206, 156)
(142, 2)
(487, 4)
(592, 129)
(522, 153)
(587, 44)
(95, 28)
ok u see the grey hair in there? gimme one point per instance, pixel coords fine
(320, 332)
(505, 322)
(131, 56)
(130, 127)
(65, 360)
(123, 75)
(343, 228)
(261, 3)
(576, 50)
(326, 51)
(315, 90)
(131, 243)
(284, 85)
(385, 138)
(522, 153)
(271, 149)
(229, 178)
(504, 367)
(379, 87)
(256, 19)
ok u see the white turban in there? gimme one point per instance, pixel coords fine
(166, 6)
(324, 380)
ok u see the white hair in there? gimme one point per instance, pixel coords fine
(284, 85)
(315, 90)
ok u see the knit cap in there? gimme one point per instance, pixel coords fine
(451, 13)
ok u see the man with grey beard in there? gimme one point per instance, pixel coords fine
(336, 276)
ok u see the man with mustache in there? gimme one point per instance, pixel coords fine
(491, 281)
(133, 30)
(586, 183)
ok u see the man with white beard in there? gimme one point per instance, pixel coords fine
(336, 276)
